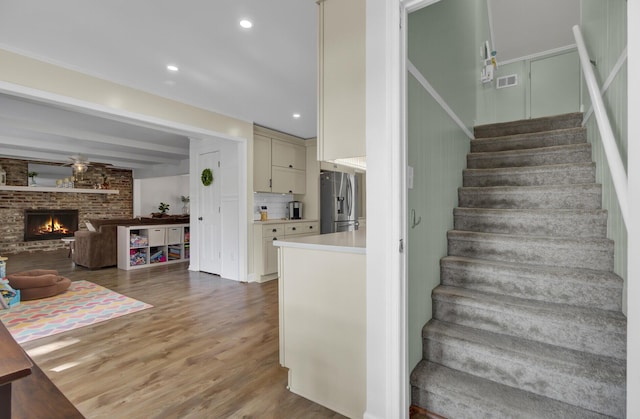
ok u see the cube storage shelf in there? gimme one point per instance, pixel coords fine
(152, 245)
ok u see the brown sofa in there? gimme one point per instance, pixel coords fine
(99, 248)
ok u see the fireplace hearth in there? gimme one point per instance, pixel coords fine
(47, 224)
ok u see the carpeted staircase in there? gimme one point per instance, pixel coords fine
(527, 321)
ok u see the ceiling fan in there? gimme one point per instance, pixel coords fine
(79, 164)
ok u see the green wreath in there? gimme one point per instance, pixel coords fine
(206, 177)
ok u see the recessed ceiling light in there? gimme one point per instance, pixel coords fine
(296, 115)
(246, 23)
(172, 67)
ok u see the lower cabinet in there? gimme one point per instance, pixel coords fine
(144, 246)
(266, 254)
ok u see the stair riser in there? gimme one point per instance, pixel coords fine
(537, 325)
(535, 252)
(442, 403)
(526, 142)
(553, 225)
(524, 159)
(526, 373)
(515, 283)
(449, 405)
(573, 120)
(455, 394)
(530, 199)
(510, 177)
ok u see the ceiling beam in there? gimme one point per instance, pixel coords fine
(84, 135)
(54, 158)
(104, 156)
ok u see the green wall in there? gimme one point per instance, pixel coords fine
(555, 75)
(604, 28)
(437, 151)
(442, 44)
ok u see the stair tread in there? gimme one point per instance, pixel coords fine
(532, 222)
(516, 238)
(572, 286)
(555, 357)
(533, 134)
(520, 212)
(603, 278)
(541, 124)
(613, 321)
(531, 169)
(549, 188)
(568, 196)
(524, 151)
(490, 398)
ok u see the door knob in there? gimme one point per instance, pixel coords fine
(200, 218)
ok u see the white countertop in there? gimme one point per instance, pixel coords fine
(283, 221)
(345, 242)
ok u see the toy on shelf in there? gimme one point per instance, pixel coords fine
(158, 257)
(137, 258)
(138, 241)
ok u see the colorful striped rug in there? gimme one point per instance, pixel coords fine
(83, 304)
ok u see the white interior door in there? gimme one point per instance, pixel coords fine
(210, 217)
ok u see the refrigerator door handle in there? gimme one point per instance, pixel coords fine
(349, 197)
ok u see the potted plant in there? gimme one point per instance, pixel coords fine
(185, 204)
(32, 176)
(163, 208)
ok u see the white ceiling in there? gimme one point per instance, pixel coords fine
(262, 75)
(522, 28)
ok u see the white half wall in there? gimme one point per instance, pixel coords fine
(148, 193)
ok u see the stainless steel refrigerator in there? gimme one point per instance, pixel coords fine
(338, 211)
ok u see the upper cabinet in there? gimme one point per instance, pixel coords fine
(261, 163)
(341, 82)
(284, 154)
(279, 162)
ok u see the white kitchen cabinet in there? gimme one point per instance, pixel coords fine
(285, 154)
(341, 79)
(266, 254)
(270, 255)
(261, 163)
(270, 260)
(279, 162)
(286, 180)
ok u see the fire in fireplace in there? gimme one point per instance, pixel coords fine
(46, 224)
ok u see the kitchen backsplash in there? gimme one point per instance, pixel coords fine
(276, 204)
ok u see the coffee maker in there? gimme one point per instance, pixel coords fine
(294, 210)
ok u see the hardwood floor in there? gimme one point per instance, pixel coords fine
(207, 349)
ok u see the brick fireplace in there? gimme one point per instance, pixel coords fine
(46, 224)
(89, 205)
